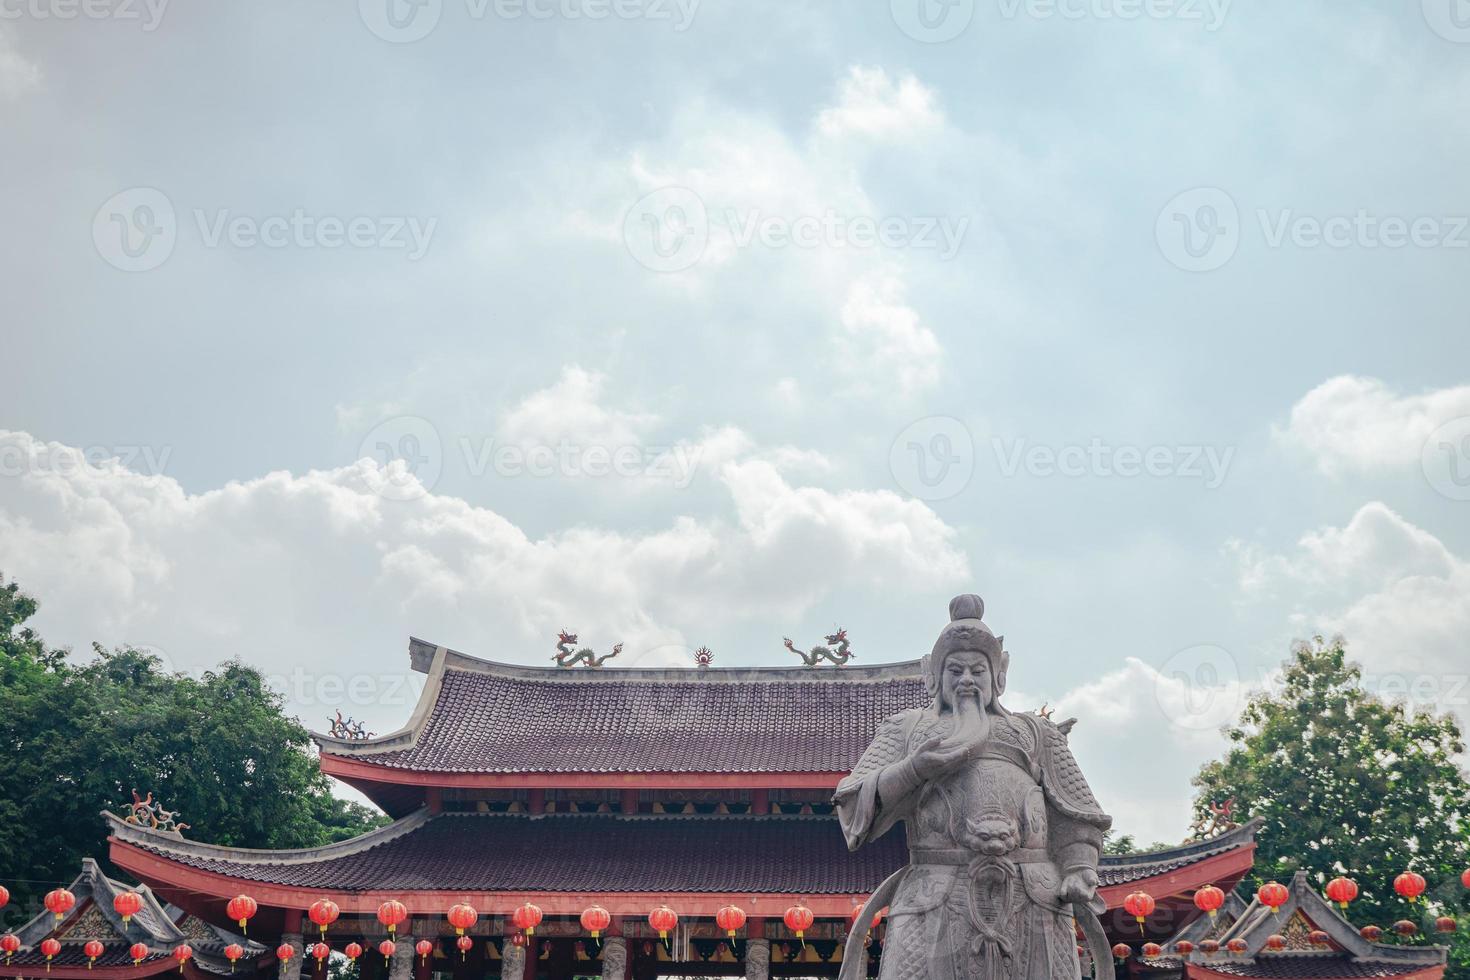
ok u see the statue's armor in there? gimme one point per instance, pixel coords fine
(979, 901)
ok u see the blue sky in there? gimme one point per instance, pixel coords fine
(712, 323)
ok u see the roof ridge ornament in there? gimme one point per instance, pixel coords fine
(348, 729)
(146, 812)
(1218, 819)
(838, 653)
(567, 657)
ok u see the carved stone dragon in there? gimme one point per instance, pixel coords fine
(567, 657)
(837, 653)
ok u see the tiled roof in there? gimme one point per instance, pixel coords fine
(114, 954)
(591, 852)
(594, 853)
(497, 718)
(1285, 965)
(1135, 867)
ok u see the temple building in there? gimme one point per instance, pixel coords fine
(143, 946)
(628, 789)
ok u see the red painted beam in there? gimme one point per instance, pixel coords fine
(359, 772)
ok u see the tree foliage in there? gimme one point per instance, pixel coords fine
(78, 737)
(1350, 784)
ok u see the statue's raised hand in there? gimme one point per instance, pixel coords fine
(937, 757)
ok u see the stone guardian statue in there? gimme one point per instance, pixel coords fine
(1004, 834)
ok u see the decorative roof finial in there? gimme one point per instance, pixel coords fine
(567, 657)
(145, 812)
(704, 656)
(837, 654)
(347, 728)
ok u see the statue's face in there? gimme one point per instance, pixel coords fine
(967, 675)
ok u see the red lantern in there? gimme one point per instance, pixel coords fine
(1342, 891)
(1140, 905)
(352, 951)
(323, 912)
(60, 901)
(1409, 885)
(241, 909)
(1276, 942)
(1445, 923)
(127, 904)
(182, 952)
(387, 947)
(526, 918)
(284, 952)
(1152, 950)
(423, 947)
(663, 919)
(1209, 946)
(138, 952)
(1236, 947)
(1273, 895)
(50, 947)
(1465, 878)
(4, 896)
(462, 916)
(1405, 928)
(730, 918)
(799, 919)
(91, 950)
(320, 952)
(1209, 899)
(1122, 951)
(232, 953)
(595, 919)
(465, 944)
(1318, 938)
(390, 913)
(9, 943)
(1371, 933)
(1184, 947)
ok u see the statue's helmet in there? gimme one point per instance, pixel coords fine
(966, 632)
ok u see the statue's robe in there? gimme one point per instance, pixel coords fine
(989, 844)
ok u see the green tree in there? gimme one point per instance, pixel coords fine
(77, 737)
(1350, 784)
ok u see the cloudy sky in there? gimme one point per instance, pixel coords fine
(694, 322)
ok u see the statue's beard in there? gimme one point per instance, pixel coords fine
(969, 720)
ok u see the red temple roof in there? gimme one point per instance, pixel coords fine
(479, 717)
(604, 854)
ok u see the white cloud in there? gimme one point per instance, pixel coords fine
(881, 328)
(1360, 424)
(873, 105)
(791, 217)
(18, 74)
(571, 410)
(1398, 595)
(314, 573)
